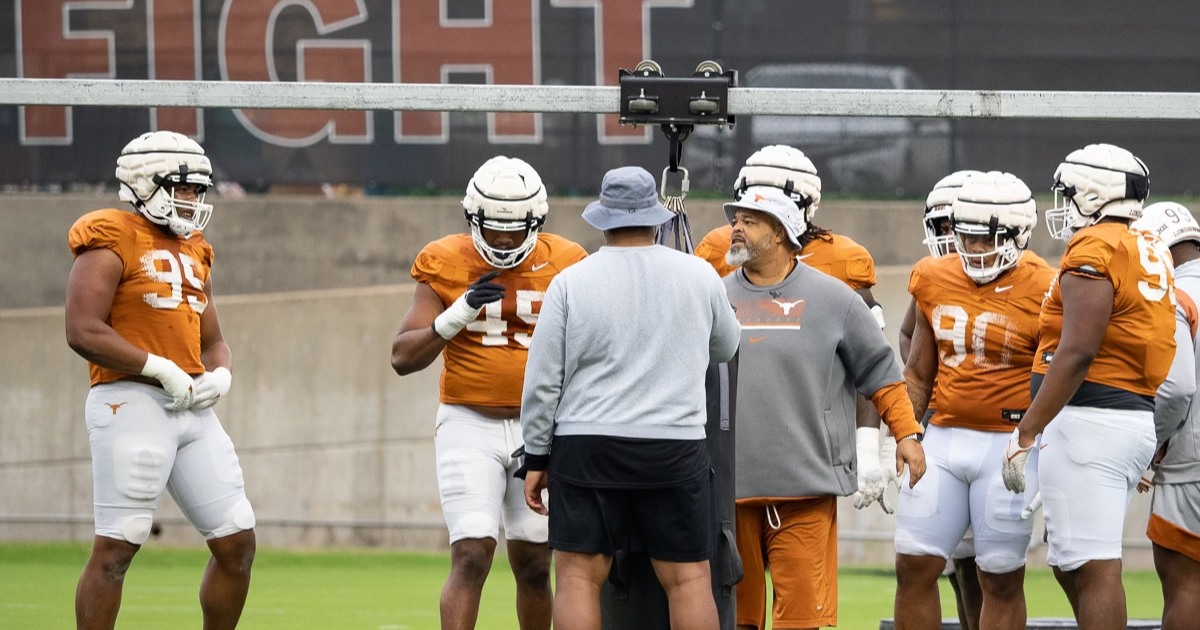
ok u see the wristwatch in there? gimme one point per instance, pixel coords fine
(914, 436)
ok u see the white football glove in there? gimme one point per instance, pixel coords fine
(872, 482)
(178, 384)
(887, 459)
(210, 387)
(1013, 467)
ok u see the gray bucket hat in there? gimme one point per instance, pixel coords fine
(628, 198)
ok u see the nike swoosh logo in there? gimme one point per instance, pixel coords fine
(537, 267)
(756, 339)
(803, 257)
(1003, 289)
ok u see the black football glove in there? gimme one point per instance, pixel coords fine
(483, 291)
(522, 470)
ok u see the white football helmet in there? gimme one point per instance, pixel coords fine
(1171, 222)
(505, 195)
(787, 169)
(148, 168)
(938, 206)
(1097, 181)
(995, 207)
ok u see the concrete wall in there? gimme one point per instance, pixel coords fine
(336, 449)
(276, 243)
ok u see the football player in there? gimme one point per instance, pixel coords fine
(788, 169)
(1107, 341)
(1175, 514)
(938, 238)
(140, 310)
(476, 303)
(975, 339)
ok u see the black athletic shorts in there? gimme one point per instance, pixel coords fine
(673, 524)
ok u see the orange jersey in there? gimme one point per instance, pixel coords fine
(160, 297)
(484, 364)
(1139, 344)
(1029, 257)
(986, 338)
(839, 257)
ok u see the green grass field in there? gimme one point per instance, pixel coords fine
(369, 590)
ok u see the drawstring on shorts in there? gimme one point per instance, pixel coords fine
(777, 522)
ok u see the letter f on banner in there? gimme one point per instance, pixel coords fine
(48, 48)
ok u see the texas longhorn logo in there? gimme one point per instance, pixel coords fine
(116, 406)
(787, 306)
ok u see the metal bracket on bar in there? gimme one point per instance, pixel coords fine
(676, 104)
(649, 98)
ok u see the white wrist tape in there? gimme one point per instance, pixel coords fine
(455, 318)
(877, 311)
(887, 453)
(867, 446)
(157, 367)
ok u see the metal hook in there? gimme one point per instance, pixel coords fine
(683, 185)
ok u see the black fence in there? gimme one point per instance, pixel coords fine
(967, 44)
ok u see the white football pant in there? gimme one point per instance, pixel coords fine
(475, 470)
(1091, 462)
(139, 449)
(962, 489)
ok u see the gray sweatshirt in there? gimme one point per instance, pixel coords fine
(1175, 408)
(809, 344)
(621, 347)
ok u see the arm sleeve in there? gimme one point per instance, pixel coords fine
(866, 353)
(896, 411)
(95, 231)
(1175, 394)
(545, 372)
(726, 331)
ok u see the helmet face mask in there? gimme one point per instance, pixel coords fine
(149, 169)
(497, 257)
(939, 240)
(993, 215)
(939, 206)
(164, 204)
(1065, 218)
(505, 195)
(985, 265)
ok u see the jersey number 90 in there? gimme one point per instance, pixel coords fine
(956, 335)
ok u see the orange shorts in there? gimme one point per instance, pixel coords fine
(797, 539)
(1166, 534)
